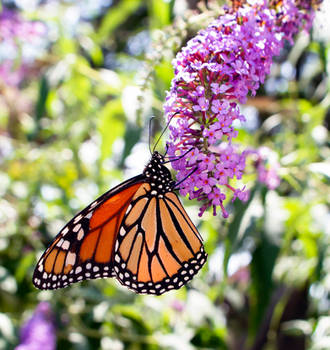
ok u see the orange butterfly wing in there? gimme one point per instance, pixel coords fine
(158, 246)
(84, 247)
(137, 232)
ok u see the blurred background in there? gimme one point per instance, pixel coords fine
(79, 81)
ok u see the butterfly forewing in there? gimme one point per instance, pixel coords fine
(84, 247)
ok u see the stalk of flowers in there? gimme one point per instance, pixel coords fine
(38, 333)
(218, 67)
(267, 166)
(21, 41)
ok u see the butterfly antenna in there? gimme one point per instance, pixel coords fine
(184, 179)
(150, 120)
(163, 132)
(166, 149)
(177, 157)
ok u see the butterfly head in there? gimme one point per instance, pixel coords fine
(157, 174)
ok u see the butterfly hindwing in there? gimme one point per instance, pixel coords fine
(84, 247)
(158, 246)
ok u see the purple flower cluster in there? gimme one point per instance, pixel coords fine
(21, 41)
(38, 333)
(220, 66)
(267, 166)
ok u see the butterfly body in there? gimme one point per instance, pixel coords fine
(138, 232)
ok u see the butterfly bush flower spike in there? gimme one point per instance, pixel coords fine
(215, 70)
(267, 166)
(38, 333)
(21, 42)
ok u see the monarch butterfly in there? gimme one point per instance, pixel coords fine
(137, 232)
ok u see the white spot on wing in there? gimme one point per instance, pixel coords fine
(77, 218)
(89, 215)
(93, 204)
(80, 234)
(70, 259)
(66, 245)
(76, 228)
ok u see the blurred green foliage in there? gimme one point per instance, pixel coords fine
(80, 126)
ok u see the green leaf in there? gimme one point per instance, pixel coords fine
(232, 241)
(111, 125)
(164, 73)
(43, 94)
(115, 17)
(160, 13)
(96, 54)
(206, 337)
(262, 265)
(131, 137)
(25, 263)
(135, 318)
(40, 107)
